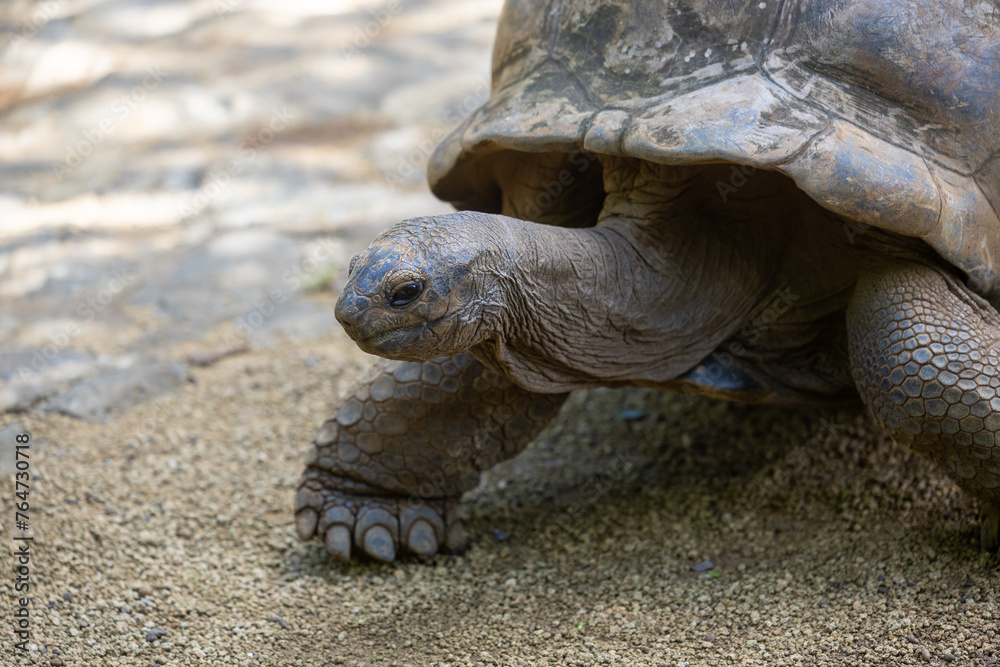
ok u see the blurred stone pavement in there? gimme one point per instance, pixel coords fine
(184, 180)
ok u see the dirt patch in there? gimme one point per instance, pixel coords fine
(165, 537)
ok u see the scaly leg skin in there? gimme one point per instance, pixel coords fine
(925, 352)
(388, 469)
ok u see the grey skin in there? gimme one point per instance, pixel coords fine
(648, 183)
(518, 313)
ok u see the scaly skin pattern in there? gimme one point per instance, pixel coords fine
(925, 353)
(386, 471)
(705, 126)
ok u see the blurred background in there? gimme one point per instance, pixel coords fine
(189, 172)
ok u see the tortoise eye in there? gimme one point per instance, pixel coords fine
(405, 294)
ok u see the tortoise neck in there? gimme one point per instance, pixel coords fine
(599, 306)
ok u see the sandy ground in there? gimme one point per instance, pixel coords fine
(829, 545)
(639, 529)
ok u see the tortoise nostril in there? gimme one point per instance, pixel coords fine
(347, 311)
(350, 308)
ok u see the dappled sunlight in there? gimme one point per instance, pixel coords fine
(117, 115)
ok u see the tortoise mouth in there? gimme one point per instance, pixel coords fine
(414, 341)
(389, 340)
(399, 342)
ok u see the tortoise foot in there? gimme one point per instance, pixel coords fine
(926, 357)
(385, 473)
(380, 526)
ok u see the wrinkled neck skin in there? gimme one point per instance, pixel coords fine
(631, 301)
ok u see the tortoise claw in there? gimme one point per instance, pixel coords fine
(338, 542)
(456, 541)
(376, 533)
(422, 529)
(989, 531)
(352, 523)
(421, 539)
(305, 523)
(307, 504)
(378, 544)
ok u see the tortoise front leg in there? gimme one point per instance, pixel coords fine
(925, 352)
(387, 470)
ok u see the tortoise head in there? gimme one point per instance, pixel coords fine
(424, 288)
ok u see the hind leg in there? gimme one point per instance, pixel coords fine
(387, 470)
(925, 353)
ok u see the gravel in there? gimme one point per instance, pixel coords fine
(178, 546)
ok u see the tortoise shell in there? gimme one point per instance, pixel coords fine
(885, 112)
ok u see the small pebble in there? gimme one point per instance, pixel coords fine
(703, 566)
(948, 657)
(155, 633)
(145, 590)
(68, 596)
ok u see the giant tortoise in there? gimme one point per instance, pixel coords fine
(645, 181)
